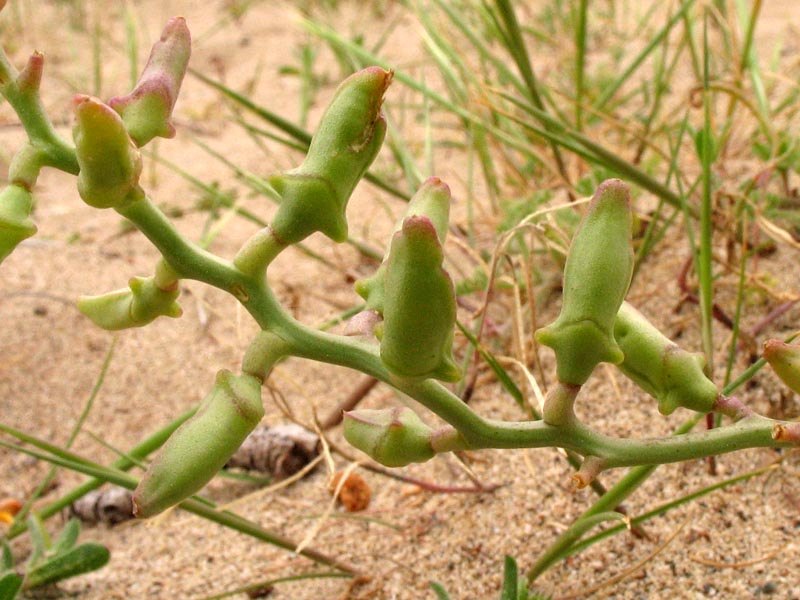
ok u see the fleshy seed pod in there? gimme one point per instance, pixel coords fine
(785, 362)
(431, 200)
(147, 110)
(110, 164)
(671, 375)
(597, 275)
(200, 447)
(15, 222)
(136, 306)
(394, 437)
(419, 306)
(315, 194)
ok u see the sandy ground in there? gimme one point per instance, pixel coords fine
(737, 543)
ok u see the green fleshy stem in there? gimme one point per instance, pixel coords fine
(109, 163)
(785, 362)
(315, 194)
(147, 110)
(420, 306)
(597, 275)
(671, 375)
(395, 437)
(431, 200)
(200, 447)
(135, 306)
(15, 223)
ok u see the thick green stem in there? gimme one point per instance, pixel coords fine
(296, 339)
(22, 92)
(258, 252)
(188, 260)
(477, 432)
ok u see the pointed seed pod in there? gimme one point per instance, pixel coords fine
(420, 306)
(30, 78)
(202, 445)
(315, 194)
(110, 164)
(785, 362)
(136, 306)
(394, 437)
(671, 375)
(431, 200)
(147, 110)
(15, 223)
(596, 279)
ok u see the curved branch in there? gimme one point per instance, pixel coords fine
(477, 432)
(21, 89)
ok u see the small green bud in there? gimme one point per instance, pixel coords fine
(315, 194)
(30, 78)
(785, 362)
(671, 375)
(136, 306)
(15, 223)
(596, 278)
(431, 200)
(202, 445)
(394, 437)
(110, 164)
(371, 289)
(420, 306)
(147, 110)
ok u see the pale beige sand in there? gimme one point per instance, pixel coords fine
(51, 357)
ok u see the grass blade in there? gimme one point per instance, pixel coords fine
(612, 89)
(580, 61)
(704, 274)
(510, 589)
(195, 505)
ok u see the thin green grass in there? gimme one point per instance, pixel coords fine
(594, 111)
(199, 506)
(704, 256)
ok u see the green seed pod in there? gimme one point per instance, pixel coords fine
(110, 164)
(596, 279)
(785, 362)
(420, 306)
(147, 110)
(431, 200)
(394, 437)
(15, 223)
(671, 375)
(202, 445)
(315, 194)
(136, 306)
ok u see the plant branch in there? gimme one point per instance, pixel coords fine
(21, 89)
(188, 260)
(478, 432)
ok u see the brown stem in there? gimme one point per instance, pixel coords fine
(357, 395)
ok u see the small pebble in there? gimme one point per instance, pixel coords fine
(768, 588)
